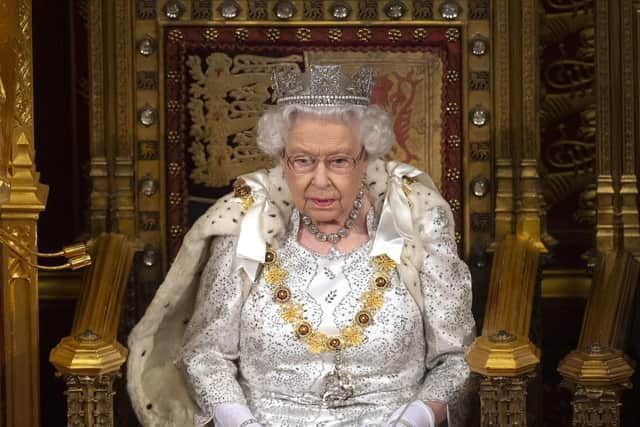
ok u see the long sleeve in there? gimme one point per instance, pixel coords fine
(210, 344)
(448, 321)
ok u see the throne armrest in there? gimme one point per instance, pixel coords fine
(90, 358)
(503, 355)
(501, 350)
(598, 371)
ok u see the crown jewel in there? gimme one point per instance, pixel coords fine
(323, 86)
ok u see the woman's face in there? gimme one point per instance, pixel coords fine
(325, 192)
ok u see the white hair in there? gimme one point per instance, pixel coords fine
(371, 124)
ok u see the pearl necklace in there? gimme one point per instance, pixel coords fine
(334, 238)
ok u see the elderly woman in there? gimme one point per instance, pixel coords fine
(329, 290)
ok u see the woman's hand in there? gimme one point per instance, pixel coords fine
(414, 414)
(234, 415)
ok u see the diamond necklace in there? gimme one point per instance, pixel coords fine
(334, 238)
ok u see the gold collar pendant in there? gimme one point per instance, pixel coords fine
(338, 385)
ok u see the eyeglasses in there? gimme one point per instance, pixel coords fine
(340, 164)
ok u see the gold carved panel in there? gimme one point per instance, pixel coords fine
(222, 130)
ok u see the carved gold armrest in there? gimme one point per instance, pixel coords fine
(503, 355)
(90, 358)
(598, 371)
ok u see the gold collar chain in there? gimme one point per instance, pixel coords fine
(350, 335)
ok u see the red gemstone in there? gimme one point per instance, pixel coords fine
(282, 295)
(363, 318)
(381, 282)
(334, 343)
(303, 329)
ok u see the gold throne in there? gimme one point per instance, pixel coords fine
(175, 88)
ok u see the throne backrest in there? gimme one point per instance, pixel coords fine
(218, 84)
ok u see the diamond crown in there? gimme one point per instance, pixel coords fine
(323, 86)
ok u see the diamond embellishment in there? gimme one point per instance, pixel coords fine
(395, 9)
(147, 115)
(449, 10)
(148, 186)
(146, 46)
(479, 45)
(173, 10)
(340, 10)
(229, 9)
(284, 10)
(480, 186)
(479, 116)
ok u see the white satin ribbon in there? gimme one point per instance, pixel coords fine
(252, 246)
(396, 223)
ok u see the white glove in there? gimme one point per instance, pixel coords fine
(234, 415)
(414, 414)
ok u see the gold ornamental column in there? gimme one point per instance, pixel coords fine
(504, 208)
(630, 73)
(111, 117)
(517, 139)
(528, 208)
(616, 191)
(19, 211)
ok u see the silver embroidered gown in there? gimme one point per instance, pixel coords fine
(244, 352)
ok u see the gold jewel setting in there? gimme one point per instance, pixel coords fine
(242, 191)
(351, 335)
